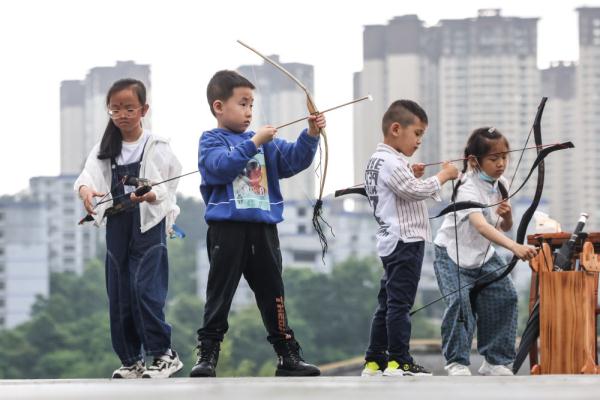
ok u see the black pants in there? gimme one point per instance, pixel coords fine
(252, 250)
(391, 327)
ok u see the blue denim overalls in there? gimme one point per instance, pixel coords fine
(137, 273)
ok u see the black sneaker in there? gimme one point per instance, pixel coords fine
(164, 366)
(290, 363)
(208, 356)
(412, 369)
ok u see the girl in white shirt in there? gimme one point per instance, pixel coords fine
(486, 159)
(136, 257)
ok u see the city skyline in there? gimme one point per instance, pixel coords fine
(182, 113)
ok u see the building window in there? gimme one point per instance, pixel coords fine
(2, 303)
(2, 285)
(68, 261)
(1, 216)
(1, 251)
(301, 229)
(2, 268)
(301, 211)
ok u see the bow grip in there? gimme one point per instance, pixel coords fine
(142, 190)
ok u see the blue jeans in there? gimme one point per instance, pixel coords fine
(391, 326)
(137, 276)
(495, 312)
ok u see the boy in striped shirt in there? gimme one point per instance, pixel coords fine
(397, 195)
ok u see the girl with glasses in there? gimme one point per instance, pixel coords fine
(136, 257)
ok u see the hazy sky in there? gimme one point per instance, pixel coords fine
(185, 42)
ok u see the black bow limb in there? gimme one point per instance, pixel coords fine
(464, 205)
(351, 190)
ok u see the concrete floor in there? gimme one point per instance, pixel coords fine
(438, 387)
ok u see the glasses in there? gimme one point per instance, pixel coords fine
(128, 112)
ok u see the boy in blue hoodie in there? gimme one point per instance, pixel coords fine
(240, 186)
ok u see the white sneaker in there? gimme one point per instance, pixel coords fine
(494, 370)
(456, 369)
(371, 369)
(164, 366)
(129, 372)
(393, 369)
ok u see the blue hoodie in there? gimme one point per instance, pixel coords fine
(240, 182)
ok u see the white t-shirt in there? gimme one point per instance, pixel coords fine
(398, 199)
(132, 152)
(472, 246)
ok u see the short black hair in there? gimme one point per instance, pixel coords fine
(403, 112)
(221, 86)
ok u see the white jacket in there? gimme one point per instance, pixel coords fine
(158, 164)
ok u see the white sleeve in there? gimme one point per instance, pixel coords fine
(401, 180)
(94, 177)
(467, 192)
(165, 166)
(91, 172)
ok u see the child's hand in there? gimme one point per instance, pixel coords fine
(524, 252)
(418, 169)
(448, 172)
(504, 210)
(315, 124)
(87, 195)
(264, 134)
(150, 197)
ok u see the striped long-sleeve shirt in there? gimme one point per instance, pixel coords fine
(398, 199)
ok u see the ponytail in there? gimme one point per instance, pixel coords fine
(111, 143)
(465, 165)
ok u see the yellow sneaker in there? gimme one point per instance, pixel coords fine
(371, 369)
(393, 369)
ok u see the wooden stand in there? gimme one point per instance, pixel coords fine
(568, 302)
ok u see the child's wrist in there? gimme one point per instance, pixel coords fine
(82, 191)
(442, 177)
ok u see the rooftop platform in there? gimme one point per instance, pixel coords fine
(438, 387)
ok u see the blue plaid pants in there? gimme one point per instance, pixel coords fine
(495, 316)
